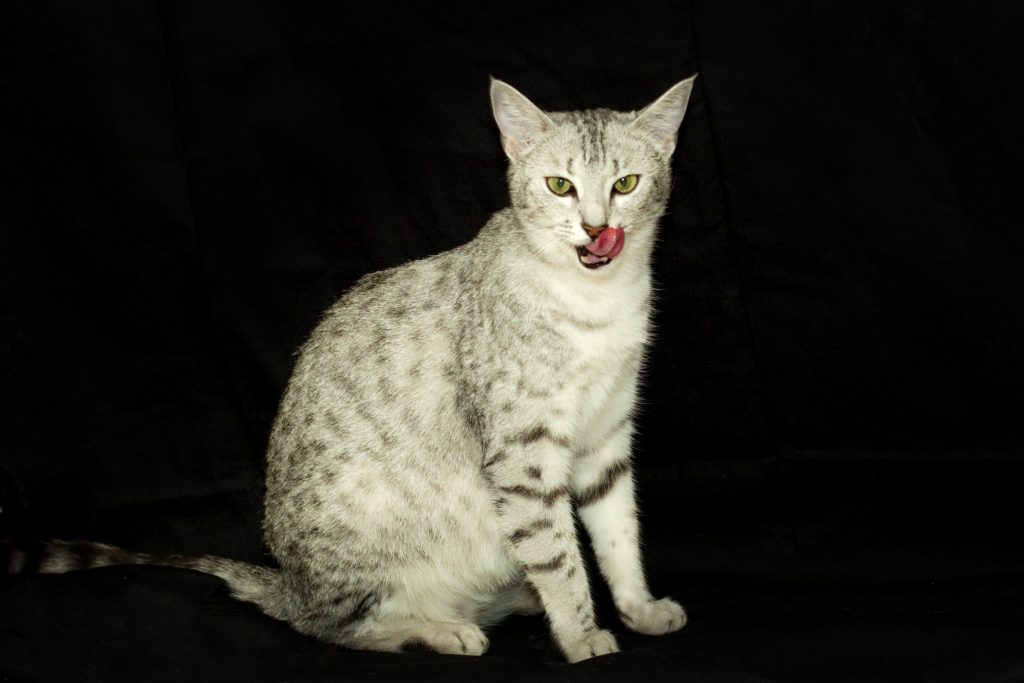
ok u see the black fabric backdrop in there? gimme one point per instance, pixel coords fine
(830, 449)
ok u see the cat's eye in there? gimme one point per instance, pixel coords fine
(627, 184)
(559, 186)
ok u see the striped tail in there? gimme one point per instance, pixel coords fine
(246, 582)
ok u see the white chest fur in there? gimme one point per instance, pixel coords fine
(606, 322)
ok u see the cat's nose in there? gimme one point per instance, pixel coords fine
(593, 232)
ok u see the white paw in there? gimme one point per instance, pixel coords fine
(654, 617)
(594, 644)
(449, 639)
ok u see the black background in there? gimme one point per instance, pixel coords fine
(830, 448)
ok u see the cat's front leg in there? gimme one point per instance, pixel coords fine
(529, 477)
(602, 482)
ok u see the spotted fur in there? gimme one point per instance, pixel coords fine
(446, 417)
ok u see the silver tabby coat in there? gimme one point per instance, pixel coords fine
(446, 415)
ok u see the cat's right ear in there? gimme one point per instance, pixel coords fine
(520, 121)
(663, 117)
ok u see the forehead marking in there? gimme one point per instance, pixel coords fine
(590, 129)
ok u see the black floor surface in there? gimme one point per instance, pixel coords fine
(149, 624)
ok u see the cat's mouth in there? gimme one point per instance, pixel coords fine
(600, 251)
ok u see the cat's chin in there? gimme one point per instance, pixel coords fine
(591, 261)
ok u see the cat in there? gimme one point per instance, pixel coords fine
(447, 415)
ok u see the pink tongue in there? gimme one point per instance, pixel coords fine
(609, 243)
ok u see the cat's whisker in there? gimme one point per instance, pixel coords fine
(647, 219)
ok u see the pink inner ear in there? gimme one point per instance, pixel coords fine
(508, 144)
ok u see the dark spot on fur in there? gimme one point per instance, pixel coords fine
(373, 280)
(385, 388)
(549, 566)
(360, 611)
(415, 645)
(604, 485)
(547, 497)
(496, 458)
(535, 434)
(530, 529)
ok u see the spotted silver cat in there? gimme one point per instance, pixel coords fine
(446, 416)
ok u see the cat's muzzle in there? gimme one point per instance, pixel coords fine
(603, 248)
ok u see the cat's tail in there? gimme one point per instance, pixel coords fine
(247, 582)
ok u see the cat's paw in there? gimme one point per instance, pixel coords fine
(447, 639)
(654, 617)
(593, 644)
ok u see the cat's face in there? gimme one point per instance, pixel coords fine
(589, 186)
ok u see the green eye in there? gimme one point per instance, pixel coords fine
(559, 186)
(627, 184)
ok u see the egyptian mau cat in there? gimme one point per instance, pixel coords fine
(446, 414)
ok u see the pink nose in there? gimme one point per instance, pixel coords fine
(593, 232)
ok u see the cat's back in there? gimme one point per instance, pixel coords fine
(370, 380)
(394, 299)
(385, 319)
(402, 317)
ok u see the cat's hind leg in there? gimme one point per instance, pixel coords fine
(527, 601)
(519, 598)
(449, 638)
(375, 618)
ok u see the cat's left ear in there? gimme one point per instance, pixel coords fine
(521, 122)
(663, 117)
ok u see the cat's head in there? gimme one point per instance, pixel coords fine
(587, 186)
